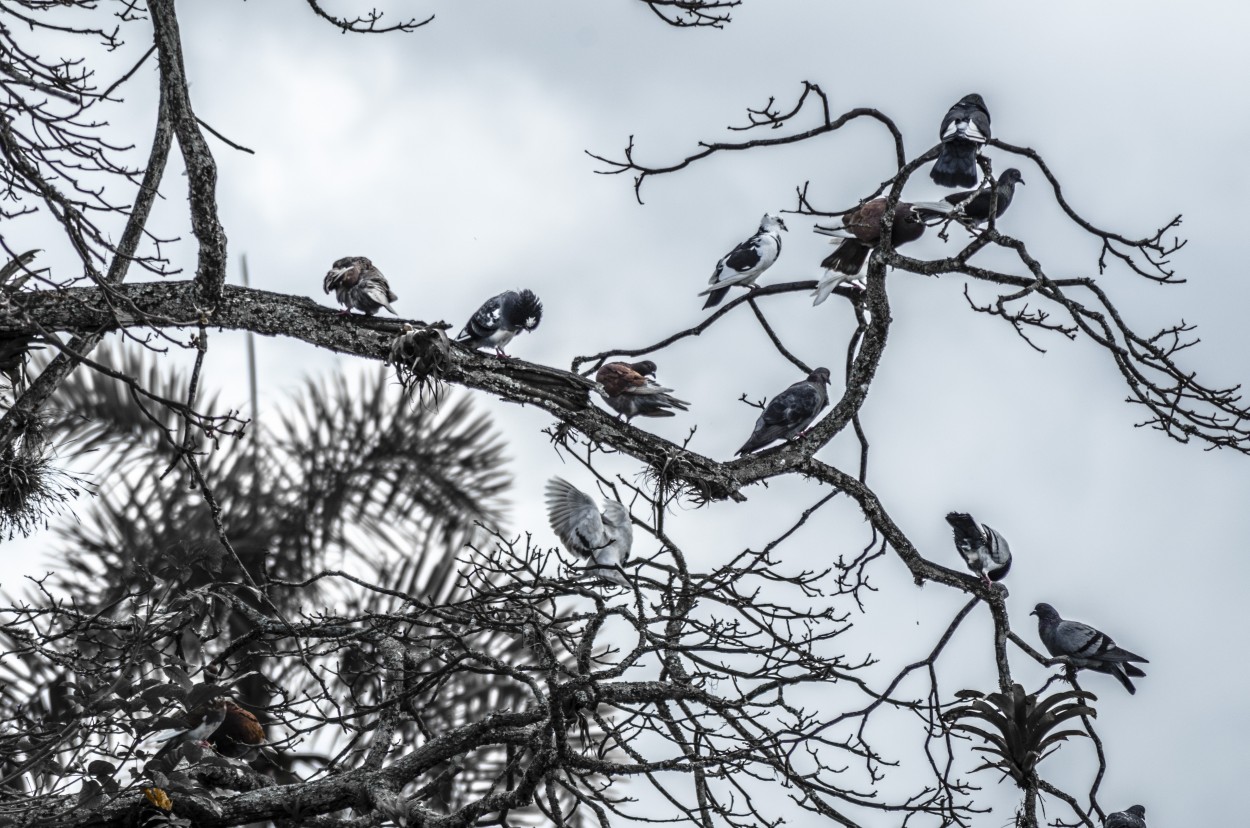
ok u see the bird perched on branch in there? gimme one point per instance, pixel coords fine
(964, 131)
(501, 318)
(1086, 647)
(790, 412)
(977, 210)
(984, 550)
(1134, 817)
(220, 723)
(630, 392)
(604, 537)
(859, 234)
(744, 264)
(358, 284)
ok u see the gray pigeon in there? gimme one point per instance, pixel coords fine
(964, 130)
(1134, 817)
(603, 537)
(790, 412)
(977, 210)
(628, 388)
(985, 551)
(501, 318)
(744, 264)
(1086, 647)
(358, 284)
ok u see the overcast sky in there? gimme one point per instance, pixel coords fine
(453, 157)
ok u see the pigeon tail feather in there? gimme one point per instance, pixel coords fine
(956, 165)
(714, 297)
(848, 258)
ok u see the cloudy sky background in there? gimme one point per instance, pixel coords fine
(454, 158)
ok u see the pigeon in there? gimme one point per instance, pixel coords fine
(861, 231)
(220, 723)
(790, 412)
(1134, 817)
(628, 390)
(978, 209)
(965, 129)
(358, 284)
(744, 264)
(501, 318)
(985, 551)
(603, 537)
(1085, 646)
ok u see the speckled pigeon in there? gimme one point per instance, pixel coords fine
(501, 318)
(978, 209)
(965, 129)
(603, 537)
(358, 284)
(861, 231)
(985, 551)
(1134, 817)
(744, 264)
(627, 388)
(1086, 647)
(789, 413)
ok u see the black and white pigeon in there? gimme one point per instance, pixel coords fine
(964, 131)
(744, 264)
(789, 413)
(859, 234)
(358, 284)
(1134, 817)
(603, 537)
(977, 210)
(629, 388)
(501, 318)
(1086, 647)
(985, 551)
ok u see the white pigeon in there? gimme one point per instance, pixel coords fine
(603, 537)
(744, 264)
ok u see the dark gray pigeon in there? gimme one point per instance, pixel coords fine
(358, 284)
(1134, 817)
(977, 210)
(965, 129)
(985, 551)
(501, 318)
(602, 537)
(627, 387)
(744, 264)
(1086, 647)
(790, 412)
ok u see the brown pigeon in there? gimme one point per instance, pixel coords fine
(631, 393)
(358, 284)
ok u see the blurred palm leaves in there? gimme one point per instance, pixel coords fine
(351, 474)
(1022, 728)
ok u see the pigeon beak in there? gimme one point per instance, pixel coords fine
(1034, 612)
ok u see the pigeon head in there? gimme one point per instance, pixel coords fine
(770, 223)
(973, 100)
(1138, 811)
(528, 310)
(1044, 612)
(820, 375)
(646, 367)
(1010, 175)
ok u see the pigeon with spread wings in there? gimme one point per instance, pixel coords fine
(604, 537)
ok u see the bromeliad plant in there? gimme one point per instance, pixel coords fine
(1023, 727)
